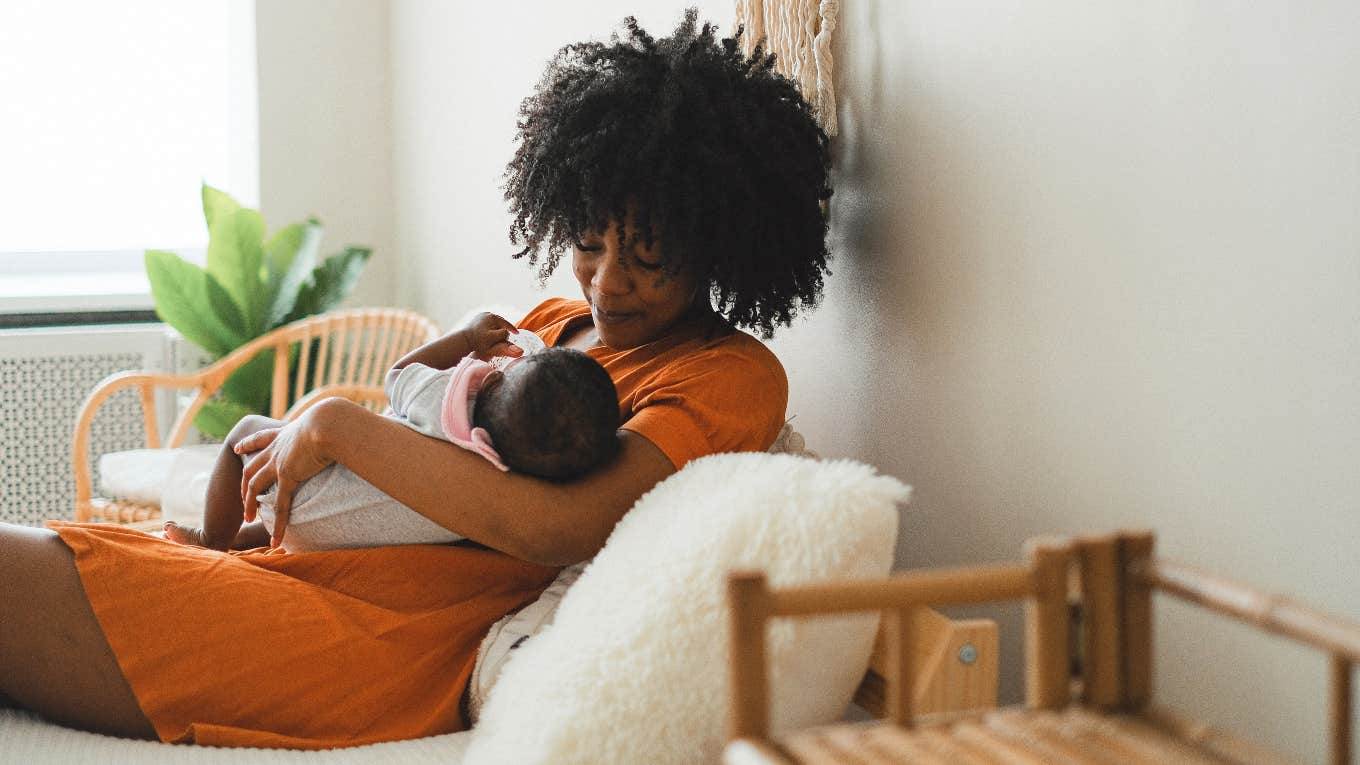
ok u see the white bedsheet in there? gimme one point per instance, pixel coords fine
(28, 739)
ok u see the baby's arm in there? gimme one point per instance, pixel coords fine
(416, 395)
(486, 335)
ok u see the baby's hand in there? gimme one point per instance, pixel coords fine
(488, 336)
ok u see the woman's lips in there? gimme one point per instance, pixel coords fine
(609, 318)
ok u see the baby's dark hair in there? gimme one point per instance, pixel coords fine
(713, 153)
(555, 416)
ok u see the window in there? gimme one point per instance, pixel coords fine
(111, 115)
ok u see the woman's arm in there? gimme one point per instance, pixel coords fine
(542, 522)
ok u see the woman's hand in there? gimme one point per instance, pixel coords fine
(286, 456)
(488, 335)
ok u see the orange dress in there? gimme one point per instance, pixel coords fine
(349, 647)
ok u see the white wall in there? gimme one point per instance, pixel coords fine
(1098, 266)
(325, 128)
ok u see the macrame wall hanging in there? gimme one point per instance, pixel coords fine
(798, 32)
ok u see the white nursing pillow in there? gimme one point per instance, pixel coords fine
(633, 668)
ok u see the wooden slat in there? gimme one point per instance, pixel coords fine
(1340, 710)
(278, 388)
(748, 608)
(981, 584)
(300, 386)
(852, 739)
(816, 748)
(1272, 613)
(898, 670)
(1101, 748)
(1102, 668)
(892, 741)
(1048, 632)
(1143, 746)
(150, 423)
(1135, 555)
(355, 333)
(323, 353)
(940, 743)
(392, 339)
(998, 747)
(1022, 730)
(369, 355)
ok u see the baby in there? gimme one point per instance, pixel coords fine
(551, 413)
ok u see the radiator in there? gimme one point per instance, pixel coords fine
(45, 375)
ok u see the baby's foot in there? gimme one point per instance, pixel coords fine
(185, 535)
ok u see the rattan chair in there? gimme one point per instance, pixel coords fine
(342, 353)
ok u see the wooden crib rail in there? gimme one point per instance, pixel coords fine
(1088, 617)
(752, 603)
(1119, 575)
(1281, 615)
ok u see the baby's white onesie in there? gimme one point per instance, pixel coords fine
(338, 509)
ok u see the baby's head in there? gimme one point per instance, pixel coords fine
(554, 414)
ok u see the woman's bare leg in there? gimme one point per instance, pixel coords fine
(54, 659)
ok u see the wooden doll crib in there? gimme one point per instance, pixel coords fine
(1088, 663)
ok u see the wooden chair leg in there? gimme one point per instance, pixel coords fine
(1135, 554)
(1101, 669)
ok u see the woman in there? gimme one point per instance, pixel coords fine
(687, 180)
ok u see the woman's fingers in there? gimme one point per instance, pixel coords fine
(258, 484)
(283, 508)
(256, 441)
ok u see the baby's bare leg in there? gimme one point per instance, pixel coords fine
(223, 511)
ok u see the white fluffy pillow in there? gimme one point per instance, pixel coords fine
(634, 668)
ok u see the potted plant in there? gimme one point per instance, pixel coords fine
(250, 285)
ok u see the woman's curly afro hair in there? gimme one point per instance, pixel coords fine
(715, 155)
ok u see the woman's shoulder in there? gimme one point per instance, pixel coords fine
(732, 356)
(736, 344)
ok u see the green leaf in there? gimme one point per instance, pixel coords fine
(225, 310)
(236, 260)
(184, 298)
(250, 384)
(290, 257)
(330, 282)
(217, 204)
(218, 417)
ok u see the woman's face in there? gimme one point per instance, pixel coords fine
(632, 300)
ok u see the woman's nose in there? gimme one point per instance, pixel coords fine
(611, 276)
